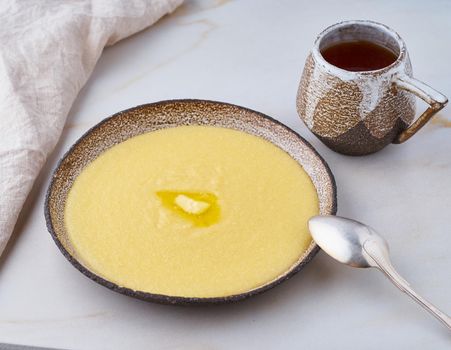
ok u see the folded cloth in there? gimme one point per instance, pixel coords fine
(49, 49)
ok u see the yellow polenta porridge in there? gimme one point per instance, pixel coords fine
(191, 211)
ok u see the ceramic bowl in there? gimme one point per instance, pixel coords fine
(166, 114)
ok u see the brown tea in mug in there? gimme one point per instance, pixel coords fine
(359, 56)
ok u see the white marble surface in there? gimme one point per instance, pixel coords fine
(251, 53)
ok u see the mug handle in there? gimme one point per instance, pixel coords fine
(435, 99)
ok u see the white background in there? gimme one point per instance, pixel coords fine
(251, 53)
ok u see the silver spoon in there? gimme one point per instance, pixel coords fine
(355, 244)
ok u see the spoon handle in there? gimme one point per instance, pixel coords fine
(387, 268)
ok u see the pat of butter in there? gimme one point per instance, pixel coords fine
(190, 205)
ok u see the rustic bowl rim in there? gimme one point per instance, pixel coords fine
(179, 300)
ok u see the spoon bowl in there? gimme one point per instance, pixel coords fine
(344, 239)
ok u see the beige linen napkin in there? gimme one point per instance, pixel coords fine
(48, 50)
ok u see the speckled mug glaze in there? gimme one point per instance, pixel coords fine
(358, 113)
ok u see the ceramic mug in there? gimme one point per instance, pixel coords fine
(360, 112)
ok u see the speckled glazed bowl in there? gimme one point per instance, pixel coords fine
(166, 114)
